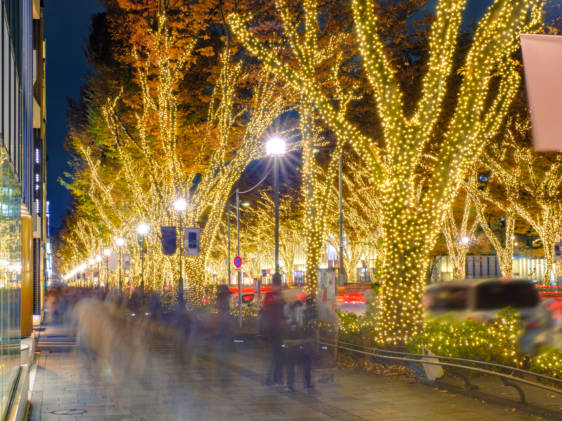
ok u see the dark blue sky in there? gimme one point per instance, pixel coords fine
(67, 25)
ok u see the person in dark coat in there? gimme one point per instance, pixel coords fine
(300, 341)
(274, 322)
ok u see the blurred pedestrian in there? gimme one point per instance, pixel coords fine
(224, 330)
(274, 324)
(300, 341)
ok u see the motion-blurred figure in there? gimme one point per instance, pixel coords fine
(273, 317)
(300, 341)
(224, 330)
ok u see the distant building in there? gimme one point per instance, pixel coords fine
(22, 179)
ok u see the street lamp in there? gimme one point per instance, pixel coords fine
(465, 240)
(120, 242)
(142, 230)
(275, 147)
(180, 206)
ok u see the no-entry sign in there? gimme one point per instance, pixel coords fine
(237, 261)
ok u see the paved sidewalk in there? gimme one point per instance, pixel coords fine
(66, 389)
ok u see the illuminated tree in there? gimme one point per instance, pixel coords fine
(361, 215)
(458, 235)
(414, 202)
(503, 245)
(532, 188)
(153, 164)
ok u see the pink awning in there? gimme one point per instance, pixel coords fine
(542, 60)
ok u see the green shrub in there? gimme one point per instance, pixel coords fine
(548, 362)
(495, 342)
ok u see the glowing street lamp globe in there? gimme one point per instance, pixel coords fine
(107, 252)
(120, 242)
(276, 146)
(180, 205)
(98, 258)
(91, 262)
(465, 240)
(143, 229)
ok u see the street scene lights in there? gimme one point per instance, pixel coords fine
(275, 147)
(120, 242)
(180, 206)
(465, 240)
(142, 230)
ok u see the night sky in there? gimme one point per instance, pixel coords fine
(66, 29)
(67, 25)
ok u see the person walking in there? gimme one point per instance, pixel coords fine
(300, 342)
(224, 331)
(274, 324)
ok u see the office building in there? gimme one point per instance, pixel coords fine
(22, 182)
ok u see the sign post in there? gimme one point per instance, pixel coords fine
(238, 265)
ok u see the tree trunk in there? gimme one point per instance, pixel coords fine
(405, 264)
(404, 272)
(506, 265)
(459, 265)
(549, 258)
(196, 280)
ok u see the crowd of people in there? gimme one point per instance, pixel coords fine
(116, 332)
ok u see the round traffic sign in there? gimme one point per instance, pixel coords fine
(237, 261)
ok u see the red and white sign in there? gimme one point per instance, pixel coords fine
(237, 262)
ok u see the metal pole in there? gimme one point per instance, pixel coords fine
(228, 263)
(107, 273)
(277, 277)
(341, 269)
(238, 254)
(142, 263)
(180, 280)
(120, 266)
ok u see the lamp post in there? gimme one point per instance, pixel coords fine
(275, 147)
(98, 260)
(142, 230)
(341, 270)
(180, 205)
(228, 263)
(91, 264)
(107, 253)
(238, 254)
(120, 242)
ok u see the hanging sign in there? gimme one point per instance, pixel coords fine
(126, 261)
(113, 261)
(169, 240)
(191, 240)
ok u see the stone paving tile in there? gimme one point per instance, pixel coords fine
(171, 390)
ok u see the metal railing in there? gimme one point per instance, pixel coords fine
(510, 376)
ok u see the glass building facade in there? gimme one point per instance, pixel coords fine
(21, 66)
(10, 279)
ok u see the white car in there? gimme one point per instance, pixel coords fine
(482, 299)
